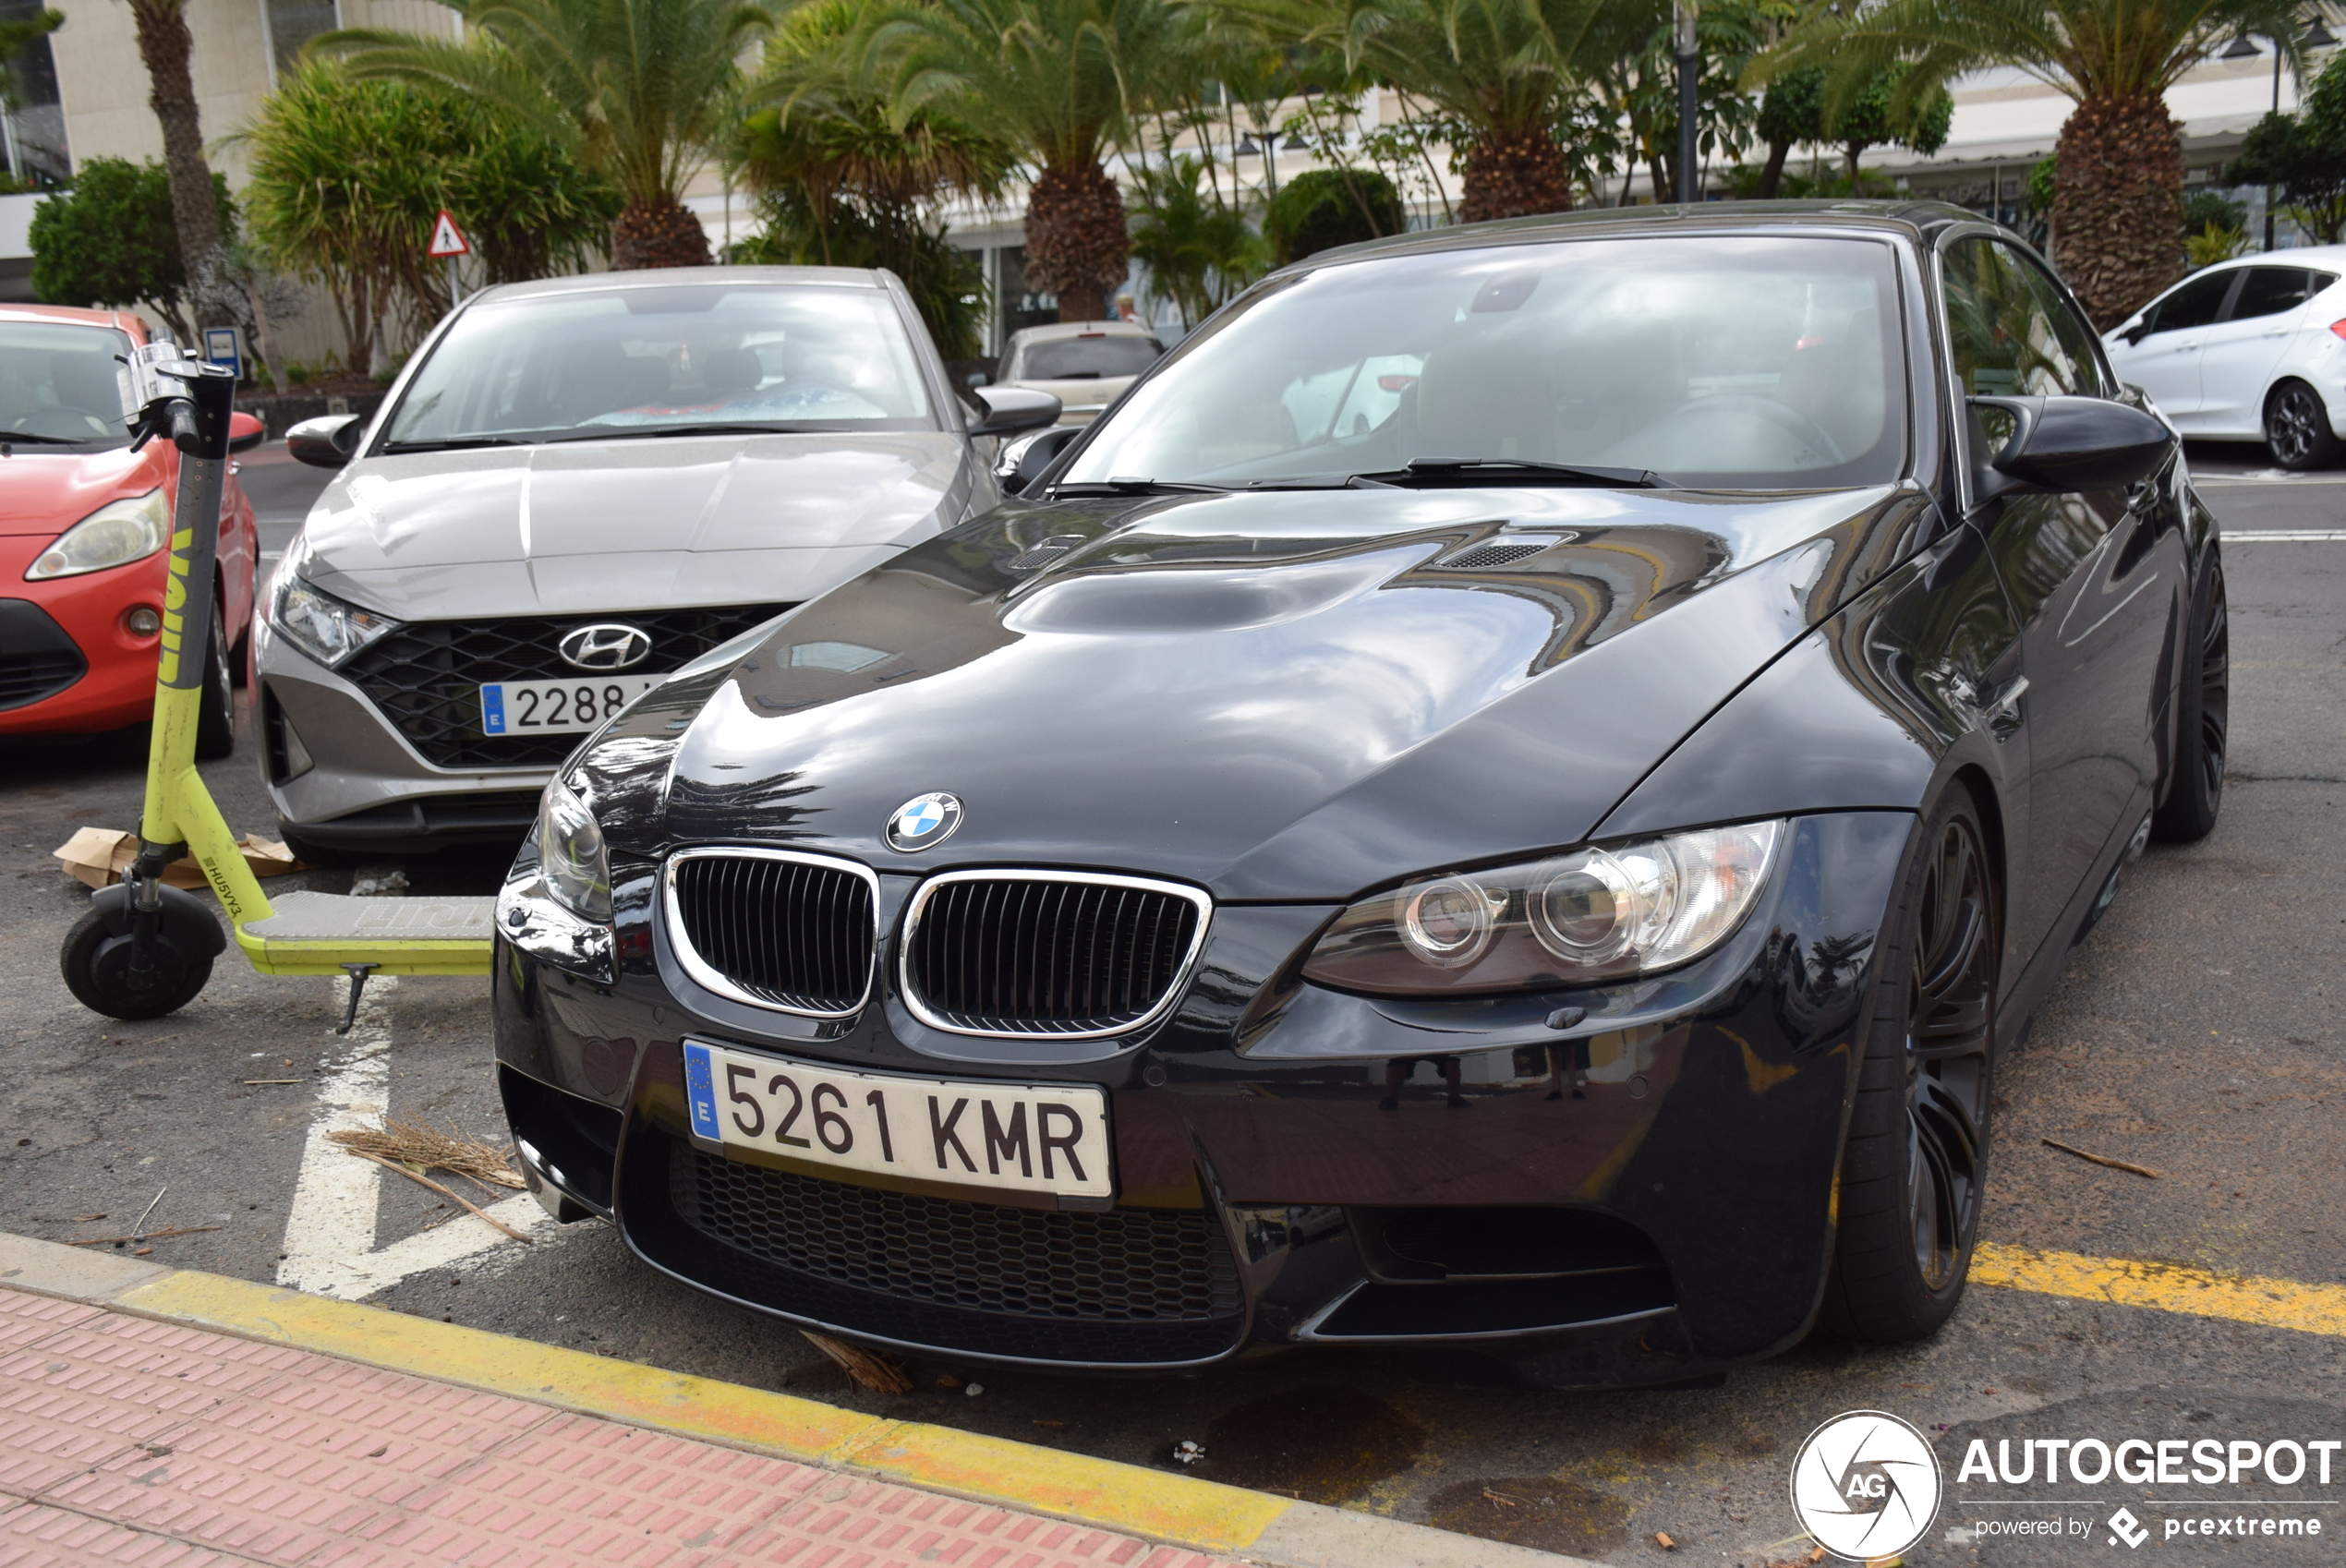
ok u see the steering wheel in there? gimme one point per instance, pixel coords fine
(1786, 419)
(69, 424)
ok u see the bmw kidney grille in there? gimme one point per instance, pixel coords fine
(1014, 953)
(773, 928)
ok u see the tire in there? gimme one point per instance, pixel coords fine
(216, 729)
(94, 975)
(1914, 1161)
(240, 657)
(2297, 427)
(2203, 719)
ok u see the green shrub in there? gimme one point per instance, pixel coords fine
(1324, 207)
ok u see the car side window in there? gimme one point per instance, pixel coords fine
(2268, 291)
(2012, 334)
(2196, 304)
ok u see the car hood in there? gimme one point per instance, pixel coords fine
(1284, 696)
(628, 524)
(45, 489)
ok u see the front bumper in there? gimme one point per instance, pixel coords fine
(67, 663)
(1675, 1221)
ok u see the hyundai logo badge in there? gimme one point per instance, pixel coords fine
(606, 646)
(924, 822)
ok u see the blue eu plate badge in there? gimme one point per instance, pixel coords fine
(700, 1089)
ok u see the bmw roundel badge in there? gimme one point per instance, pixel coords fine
(924, 822)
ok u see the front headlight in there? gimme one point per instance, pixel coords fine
(115, 534)
(1590, 915)
(571, 855)
(322, 625)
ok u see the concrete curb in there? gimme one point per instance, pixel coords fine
(1178, 1510)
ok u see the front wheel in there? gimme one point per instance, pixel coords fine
(1914, 1165)
(216, 729)
(2297, 427)
(2203, 714)
(96, 964)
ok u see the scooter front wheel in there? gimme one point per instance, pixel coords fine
(97, 970)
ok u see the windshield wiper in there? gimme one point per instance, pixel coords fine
(10, 437)
(1128, 487)
(458, 443)
(1521, 470)
(635, 432)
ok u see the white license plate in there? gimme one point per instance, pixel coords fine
(556, 707)
(1021, 1137)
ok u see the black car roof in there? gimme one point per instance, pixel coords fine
(1919, 220)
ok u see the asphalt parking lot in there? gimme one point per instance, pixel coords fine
(2195, 1035)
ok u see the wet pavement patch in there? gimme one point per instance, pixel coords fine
(1319, 1443)
(1533, 1510)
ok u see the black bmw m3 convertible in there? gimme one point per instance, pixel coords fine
(1509, 795)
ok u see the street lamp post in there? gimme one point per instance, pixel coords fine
(1689, 179)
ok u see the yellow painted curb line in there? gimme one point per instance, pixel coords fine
(1203, 1514)
(2126, 1282)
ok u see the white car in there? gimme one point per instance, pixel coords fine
(1085, 365)
(2253, 349)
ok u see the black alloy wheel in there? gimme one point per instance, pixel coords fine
(1915, 1163)
(216, 729)
(2203, 719)
(2297, 427)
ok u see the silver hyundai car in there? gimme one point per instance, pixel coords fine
(576, 487)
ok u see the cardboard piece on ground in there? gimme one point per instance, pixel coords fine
(98, 857)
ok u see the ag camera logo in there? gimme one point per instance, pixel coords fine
(1866, 1485)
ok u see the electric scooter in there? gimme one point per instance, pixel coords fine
(143, 950)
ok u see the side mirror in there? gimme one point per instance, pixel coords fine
(1010, 410)
(328, 441)
(2075, 443)
(976, 379)
(1022, 461)
(2136, 333)
(245, 432)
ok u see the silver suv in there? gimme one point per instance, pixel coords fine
(576, 487)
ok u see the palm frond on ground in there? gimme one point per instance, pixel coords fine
(2118, 211)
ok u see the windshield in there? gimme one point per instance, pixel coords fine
(1728, 363)
(57, 382)
(1087, 358)
(664, 359)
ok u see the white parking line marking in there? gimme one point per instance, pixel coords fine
(2275, 536)
(329, 1230)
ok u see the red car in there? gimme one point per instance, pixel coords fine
(83, 523)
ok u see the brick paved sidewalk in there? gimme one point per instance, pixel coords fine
(126, 1441)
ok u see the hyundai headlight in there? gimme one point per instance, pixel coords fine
(115, 534)
(1594, 914)
(571, 857)
(322, 625)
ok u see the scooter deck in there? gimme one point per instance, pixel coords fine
(318, 933)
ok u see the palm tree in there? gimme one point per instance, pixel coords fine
(1059, 81)
(1507, 71)
(164, 45)
(637, 90)
(842, 183)
(2118, 216)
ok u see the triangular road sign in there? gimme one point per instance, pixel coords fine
(447, 239)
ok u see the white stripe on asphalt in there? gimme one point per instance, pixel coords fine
(2273, 536)
(330, 1231)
